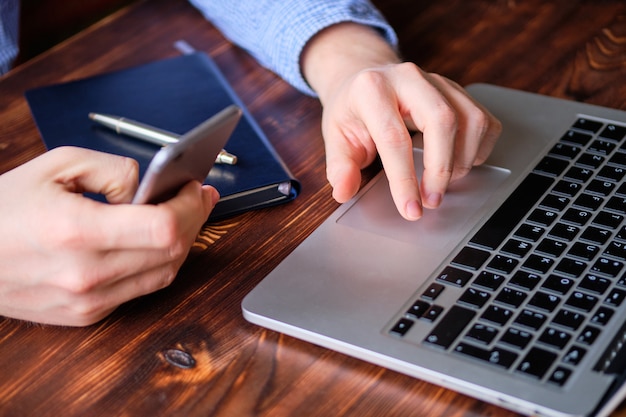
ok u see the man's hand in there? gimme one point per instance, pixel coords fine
(370, 98)
(67, 259)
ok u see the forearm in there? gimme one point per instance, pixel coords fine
(276, 32)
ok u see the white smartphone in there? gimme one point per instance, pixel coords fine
(191, 158)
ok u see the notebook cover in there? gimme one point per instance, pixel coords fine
(174, 94)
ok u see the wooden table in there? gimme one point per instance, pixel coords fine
(186, 350)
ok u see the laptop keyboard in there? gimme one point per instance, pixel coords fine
(545, 274)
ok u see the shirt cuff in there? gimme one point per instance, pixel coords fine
(287, 52)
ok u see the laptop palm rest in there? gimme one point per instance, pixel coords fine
(376, 212)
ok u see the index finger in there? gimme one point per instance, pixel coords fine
(384, 122)
(145, 226)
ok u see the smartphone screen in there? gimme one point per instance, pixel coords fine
(191, 158)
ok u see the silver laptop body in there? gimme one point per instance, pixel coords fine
(362, 283)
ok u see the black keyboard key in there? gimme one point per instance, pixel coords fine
(618, 159)
(555, 337)
(616, 250)
(512, 211)
(565, 151)
(516, 248)
(602, 316)
(516, 337)
(571, 267)
(558, 284)
(450, 326)
(433, 291)
(503, 264)
(560, 376)
(471, 258)
(609, 220)
(540, 264)
(543, 217)
(588, 125)
(530, 232)
(578, 174)
(567, 188)
(588, 335)
(482, 333)
(489, 280)
(574, 355)
(537, 362)
(551, 247)
(497, 315)
(588, 201)
(454, 276)
(621, 189)
(433, 313)
(511, 297)
(611, 173)
(590, 160)
(402, 326)
(617, 204)
(576, 216)
(582, 301)
(594, 283)
(551, 166)
(526, 280)
(607, 267)
(554, 202)
(496, 356)
(615, 132)
(595, 235)
(564, 231)
(583, 251)
(418, 309)
(544, 301)
(578, 138)
(602, 147)
(530, 319)
(569, 319)
(603, 188)
(474, 297)
(615, 297)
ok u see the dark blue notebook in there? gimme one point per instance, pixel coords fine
(174, 94)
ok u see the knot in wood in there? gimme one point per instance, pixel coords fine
(179, 358)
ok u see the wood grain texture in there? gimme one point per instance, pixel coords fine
(186, 350)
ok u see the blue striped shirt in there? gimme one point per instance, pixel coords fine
(273, 31)
(276, 31)
(9, 19)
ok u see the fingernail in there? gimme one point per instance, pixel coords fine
(433, 200)
(413, 210)
(215, 195)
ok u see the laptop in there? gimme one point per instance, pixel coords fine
(511, 292)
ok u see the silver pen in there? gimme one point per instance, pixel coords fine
(151, 134)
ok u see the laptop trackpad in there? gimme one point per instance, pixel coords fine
(375, 212)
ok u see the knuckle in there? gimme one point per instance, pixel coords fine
(88, 310)
(129, 167)
(63, 234)
(368, 81)
(446, 116)
(77, 281)
(461, 170)
(166, 228)
(167, 277)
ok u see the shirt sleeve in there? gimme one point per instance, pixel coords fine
(275, 32)
(9, 21)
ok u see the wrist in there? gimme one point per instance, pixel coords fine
(339, 52)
